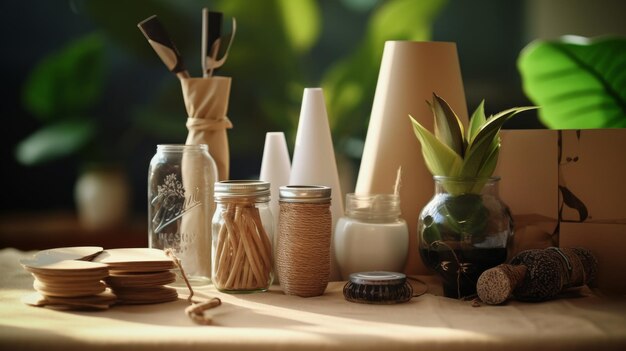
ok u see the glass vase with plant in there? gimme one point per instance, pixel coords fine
(465, 228)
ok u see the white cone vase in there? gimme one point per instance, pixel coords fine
(314, 157)
(275, 169)
(409, 74)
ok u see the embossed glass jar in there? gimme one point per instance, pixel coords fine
(180, 206)
(242, 232)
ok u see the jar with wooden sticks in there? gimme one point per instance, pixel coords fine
(242, 237)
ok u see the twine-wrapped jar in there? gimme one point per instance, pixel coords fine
(242, 237)
(304, 234)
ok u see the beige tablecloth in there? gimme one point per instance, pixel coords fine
(273, 321)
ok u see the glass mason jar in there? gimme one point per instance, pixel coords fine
(464, 230)
(371, 236)
(180, 206)
(242, 237)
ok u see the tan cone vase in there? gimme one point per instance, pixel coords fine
(409, 74)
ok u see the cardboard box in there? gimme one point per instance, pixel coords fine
(568, 188)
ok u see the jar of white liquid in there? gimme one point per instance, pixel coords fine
(371, 236)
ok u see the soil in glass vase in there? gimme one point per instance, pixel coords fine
(464, 230)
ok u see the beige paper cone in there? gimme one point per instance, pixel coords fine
(409, 74)
(206, 101)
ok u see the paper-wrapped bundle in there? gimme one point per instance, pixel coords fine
(206, 101)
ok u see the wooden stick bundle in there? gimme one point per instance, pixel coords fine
(243, 250)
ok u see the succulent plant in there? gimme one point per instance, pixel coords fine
(450, 152)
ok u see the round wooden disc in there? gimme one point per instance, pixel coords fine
(136, 260)
(69, 290)
(69, 253)
(141, 280)
(65, 268)
(146, 295)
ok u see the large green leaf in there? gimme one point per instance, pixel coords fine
(67, 82)
(578, 83)
(55, 140)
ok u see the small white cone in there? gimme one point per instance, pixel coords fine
(314, 158)
(275, 169)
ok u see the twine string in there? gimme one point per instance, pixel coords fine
(515, 274)
(574, 271)
(195, 310)
(170, 254)
(303, 250)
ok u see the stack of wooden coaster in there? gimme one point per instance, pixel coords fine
(63, 280)
(139, 275)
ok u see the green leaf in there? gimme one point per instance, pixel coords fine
(490, 161)
(302, 22)
(66, 82)
(350, 83)
(403, 19)
(448, 127)
(478, 151)
(55, 141)
(476, 121)
(578, 83)
(439, 157)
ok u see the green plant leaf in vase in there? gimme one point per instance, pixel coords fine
(439, 157)
(450, 153)
(464, 164)
(448, 126)
(482, 152)
(478, 119)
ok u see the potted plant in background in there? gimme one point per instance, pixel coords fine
(62, 92)
(465, 228)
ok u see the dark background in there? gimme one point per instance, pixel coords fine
(489, 36)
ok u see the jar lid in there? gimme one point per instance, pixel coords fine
(378, 287)
(378, 278)
(373, 206)
(182, 147)
(305, 193)
(241, 188)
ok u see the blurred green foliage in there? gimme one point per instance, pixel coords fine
(578, 83)
(281, 47)
(350, 83)
(60, 92)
